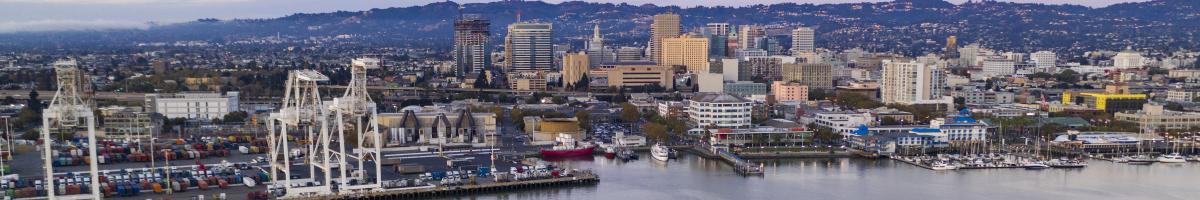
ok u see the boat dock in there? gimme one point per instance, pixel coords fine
(586, 178)
(740, 165)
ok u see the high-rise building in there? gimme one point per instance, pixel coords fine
(1044, 59)
(665, 26)
(803, 39)
(749, 34)
(764, 68)
(575, 65)
(596, 51)
(910, 82)
(630, 54)
(788, 91)
(952, 47)
(688, 50)
(472, 52)
(817, 76)
(717, 29)
(529, 46)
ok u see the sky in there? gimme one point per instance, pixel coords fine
(55, 15)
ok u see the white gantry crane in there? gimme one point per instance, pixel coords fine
(354, 114)
(70, 109)
(302, 112)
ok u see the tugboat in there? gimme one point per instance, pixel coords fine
(568, 147)
(1171, 158)
(610, 152)
(660, 152)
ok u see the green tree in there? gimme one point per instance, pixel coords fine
(481, 81)
(655, 131)
(585, 119)
(629, 112)
(235, 117)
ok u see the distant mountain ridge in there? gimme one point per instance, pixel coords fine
(903, 26)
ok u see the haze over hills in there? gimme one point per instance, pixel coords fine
(903, 26)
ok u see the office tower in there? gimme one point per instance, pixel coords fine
(952, 47)
(1044, 59)
(717, 48)
(721, 29)
(629, 54)
(665, 25)
(817, 76)
(688, 50)
(529, 46)
(910, 82)
(596, 51)
(803, 40)
(471, 49)
(574, 66)
(749, 34)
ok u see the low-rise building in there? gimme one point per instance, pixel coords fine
(546, 129)
(1109, 102)
(129, 123)
(719, 110)
(198, 106)
(760, 136)
(745, 88)
(1153, 116)
(431, 125)
(1183, 94)
(788, 91)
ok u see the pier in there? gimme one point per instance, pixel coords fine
(740, 165)
(585, 178)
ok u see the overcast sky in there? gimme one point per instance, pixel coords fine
(47, 15)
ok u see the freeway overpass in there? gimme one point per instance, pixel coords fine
(138, 97)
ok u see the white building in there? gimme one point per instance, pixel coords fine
(911, 82)
(1128, 59)
(1182, 95)
(1043, 59)
(720, 110)
(843, 122)
(193, 105)
(803, 39)
(997, 67)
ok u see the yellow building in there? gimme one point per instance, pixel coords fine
(1108, 102)
(637, 75)
(688, 50)
(535, 80)
(665, 26)
(575, 65)
(546, 129)
(788, 91)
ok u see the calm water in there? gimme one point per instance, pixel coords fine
(692, 177)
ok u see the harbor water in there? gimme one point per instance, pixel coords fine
(692, 177)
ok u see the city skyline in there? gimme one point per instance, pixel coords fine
(31, 15)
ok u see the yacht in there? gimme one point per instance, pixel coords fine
(1067, 163)
(660, 152)
(1036, 165)
(940, 165)
(1171, 158)
(1141, 160)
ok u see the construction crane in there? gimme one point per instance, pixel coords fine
(301, 111)
(70, 109)
(355, 114)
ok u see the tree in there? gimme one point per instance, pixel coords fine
(585, 119)
(559, 100)
(629, 112)
(817, 94)
(481, 81)
(582, 84)
(655, 131)
(518, 117)
(235, 117)
(1067, 76)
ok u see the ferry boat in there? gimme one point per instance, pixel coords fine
(568, 147)
(660, 152)
(940, 165)
(1171, 158)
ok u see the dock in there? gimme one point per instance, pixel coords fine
(439, 191)
(740, 165)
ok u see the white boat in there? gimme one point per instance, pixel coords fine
(1171, 158)
(1036, 165)
(939, 165)
(1141, 160)
(248, 181)
(660, 152)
